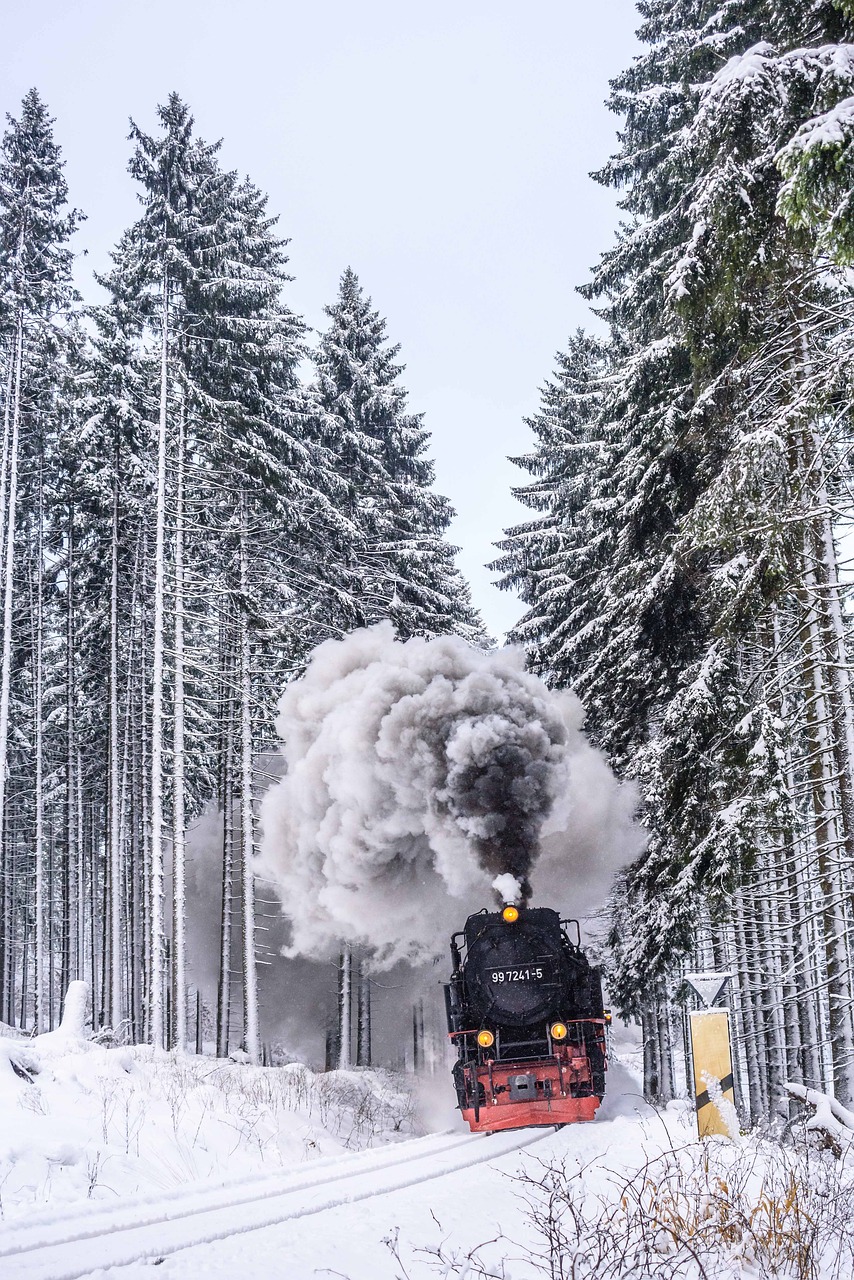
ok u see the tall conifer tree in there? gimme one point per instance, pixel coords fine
(720, 677)
(394, 560)
(37, 348)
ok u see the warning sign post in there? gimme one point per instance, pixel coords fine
(713, 1080)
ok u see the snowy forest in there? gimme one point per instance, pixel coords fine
(195, 491)
(686, 565)
(192, 500)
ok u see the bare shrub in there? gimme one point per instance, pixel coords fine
(360, 1107)
(448, 1260)
(705, 1211)
(33, 1100)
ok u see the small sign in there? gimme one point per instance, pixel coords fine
(714, 1087)
(708, 986)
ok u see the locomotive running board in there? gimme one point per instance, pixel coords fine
(523, 1115)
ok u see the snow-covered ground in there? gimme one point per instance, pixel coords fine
(83, 1126)
(116, 1160)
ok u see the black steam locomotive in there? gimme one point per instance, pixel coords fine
(526, 1015)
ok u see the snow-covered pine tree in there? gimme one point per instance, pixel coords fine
(558, 562)
(384, 553)
(721, 613)
(241, 495)
(391, 559)
(37, 344)
(765, 519)
(110, 452)
(141, 392)
(181, 187)
(261, 472)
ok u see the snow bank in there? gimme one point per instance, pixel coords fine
(829, 1117)
(84, 1123)
(71, 1032)
(419, 776)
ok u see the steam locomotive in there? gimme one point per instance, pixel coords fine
(525, 1013)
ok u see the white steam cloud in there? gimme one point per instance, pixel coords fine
(422, 781)
(508, 888)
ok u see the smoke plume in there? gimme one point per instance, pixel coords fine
(422, 772)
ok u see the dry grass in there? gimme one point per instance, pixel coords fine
(704, 1211)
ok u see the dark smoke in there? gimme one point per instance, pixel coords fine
(502, 795)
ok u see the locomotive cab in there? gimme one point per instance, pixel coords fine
(525, 1013)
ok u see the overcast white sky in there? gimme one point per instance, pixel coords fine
(441, 149)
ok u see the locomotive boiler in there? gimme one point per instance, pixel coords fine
(525, 1013)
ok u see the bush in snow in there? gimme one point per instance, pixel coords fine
(705, 1211)
(81, 1122)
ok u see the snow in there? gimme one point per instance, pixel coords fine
(114, 1160)
(832, 128)
(114, 1155)
(72, 1027)
(725, 1108)
(742, 67)
(829, 1116)
(84, 1124)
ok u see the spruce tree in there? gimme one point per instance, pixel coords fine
(559, 561)
(230, 498)
(720, 677)
(38, 344)
(391, 559)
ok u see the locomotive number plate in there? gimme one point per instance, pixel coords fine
(517, 975)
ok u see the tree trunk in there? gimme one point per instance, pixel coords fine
(651, 1064)
(116, 1010)
(251, 1031)
(363, 1029)
(39, 957)
(665, 1051)
(80, 876)
(157, 1028)
(179, 920)
(5, 460)
(224, 986)
(345, 978)
(6, 671)
(747, 1011)
(830, 844)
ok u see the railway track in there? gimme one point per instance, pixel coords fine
(69, 1246)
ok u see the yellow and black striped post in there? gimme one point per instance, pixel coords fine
(710, 1049)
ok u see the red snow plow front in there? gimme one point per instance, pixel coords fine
(515, 1095)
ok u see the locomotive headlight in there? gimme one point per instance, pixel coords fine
(485, 1039)
(510, 915)
(558, 1031)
